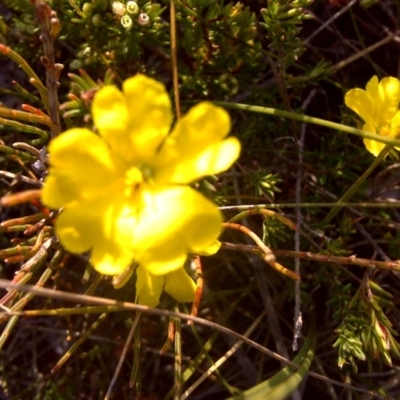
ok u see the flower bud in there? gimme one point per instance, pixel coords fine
(126, 22)
(382, 335)
(121, 279)
(118, 8)
(132, 7)
(143, 19)
(97, 20)
(87, 9)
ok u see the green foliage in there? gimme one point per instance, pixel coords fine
(393, 242)
(261, 53)
(365, 332)
(220, 46)
(282, 20)
(274, 232)
(347, 227)
(335, 247)
(83, 89)
(265, 183)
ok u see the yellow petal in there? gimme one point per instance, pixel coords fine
(81, 167)
(392, 130)
(361, 103)
(110, 257)
(372, 146)
(57, 191)
(78, 227)
(180, 286)
(395, 127)
(172, 222)
(110, 116)
(150, 115)
(205, 123)
(112, 252)
(217, 158)
(195, 148)
(211, 249)
(148, 287)
(385, 96)
(214, 159)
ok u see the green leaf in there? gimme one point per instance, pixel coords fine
(282, 384)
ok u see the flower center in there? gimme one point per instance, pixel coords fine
(133, 179)
(385, 131)
(147, 173)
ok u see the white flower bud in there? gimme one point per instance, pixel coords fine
(132, 7)
(143, 19)
(118, 8)
(126, 22)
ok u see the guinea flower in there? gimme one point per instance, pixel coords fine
(124, 192)
(378, 106)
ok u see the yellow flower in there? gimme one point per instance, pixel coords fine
(124, 192)
(378, 106)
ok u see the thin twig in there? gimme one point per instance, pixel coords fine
(174, 59)
(79, 298)
(298, 318)
(263, 250)
(123, 355)
(224, 358)
(329, 21)
(390, 36)
(351, 260)
(387, 204)
(50, 28)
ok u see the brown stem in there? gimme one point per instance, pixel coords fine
(350, 260)
(50, 28)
